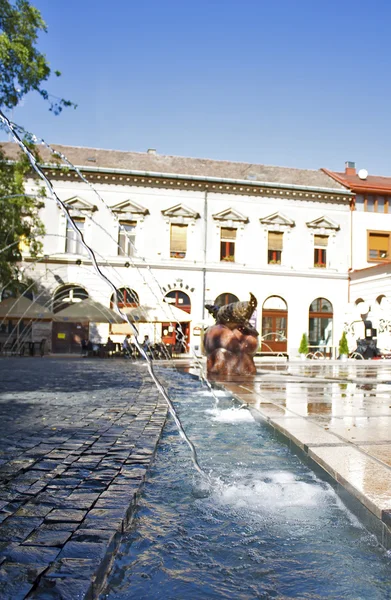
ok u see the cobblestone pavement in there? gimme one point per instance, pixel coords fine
(76, 439)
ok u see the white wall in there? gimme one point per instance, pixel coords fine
(295, 280)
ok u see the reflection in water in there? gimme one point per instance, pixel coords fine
(268, 529)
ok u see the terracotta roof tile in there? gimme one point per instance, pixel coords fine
(373, 183)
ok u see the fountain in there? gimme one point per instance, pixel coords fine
(233, 534)
(232, 342)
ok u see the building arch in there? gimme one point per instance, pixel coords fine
(67, 294)
(179, 299)
(274, 332)
(320, 325)
(21, 290)
(225, 298)
(177, 335)
(127, 298)
(67, 337)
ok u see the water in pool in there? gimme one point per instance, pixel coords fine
(269, 528)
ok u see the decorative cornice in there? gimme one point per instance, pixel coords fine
(204, 184)
(79, 204)
(323, 223)
(231, 215)
(277, 220)
(129, 207)
(180, 212)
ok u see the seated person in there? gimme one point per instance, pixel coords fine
(146, 343)
(126, 346)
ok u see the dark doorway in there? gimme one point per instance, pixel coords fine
(67, 337)
(170, 331)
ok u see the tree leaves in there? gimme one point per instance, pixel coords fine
(20, 225)
(23, 68)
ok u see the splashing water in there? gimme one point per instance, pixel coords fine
(267, 527)
(230, 415)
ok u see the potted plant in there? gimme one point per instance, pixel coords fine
(343, 347)
(303, 348)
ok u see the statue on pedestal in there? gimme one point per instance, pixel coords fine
(232, 342)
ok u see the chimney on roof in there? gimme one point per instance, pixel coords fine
(151, 151)
(350, 168)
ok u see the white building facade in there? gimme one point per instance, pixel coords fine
(195, 232)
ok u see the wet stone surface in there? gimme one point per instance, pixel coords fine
(76, 440)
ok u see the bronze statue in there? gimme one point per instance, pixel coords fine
(231, 343)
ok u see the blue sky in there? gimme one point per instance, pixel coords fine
(292, 83)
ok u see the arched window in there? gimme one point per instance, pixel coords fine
(320, 324)
(274, 325)
(15, 293)
(127, 298)
(67, 295)
(179, 299)
(226, 298)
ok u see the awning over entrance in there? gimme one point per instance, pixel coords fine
(164, 313)
(87, 311)
(23, 308)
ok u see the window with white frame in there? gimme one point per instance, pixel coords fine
(227, 244)
(320, 250)
(274, 247)
(178, 241)
(126, 238)
(73, 244)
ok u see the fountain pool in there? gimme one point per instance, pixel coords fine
(269, 527)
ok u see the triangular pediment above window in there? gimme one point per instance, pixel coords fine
(76, 203)
(277, 220)
(230, 215)
(180, 212)
(323, 223)
(129, 207)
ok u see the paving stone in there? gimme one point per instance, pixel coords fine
(65, 516)
(64, 482)
(16, 529)
(93, 485)
(16, 580)
(49, 537)
(33, 510)
(120, 501)
(72, 503)
(97, 536)
(114, 523)
(56, 588)
(65, 487)
(84, 550)
(35, 555)
(75, 568)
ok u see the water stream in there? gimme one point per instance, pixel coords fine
(15, 130)
(270, 528)
(253, 521)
